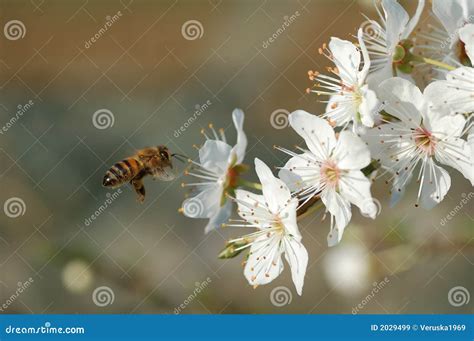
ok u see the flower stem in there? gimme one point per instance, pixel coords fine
(433, 62)
(249, 184)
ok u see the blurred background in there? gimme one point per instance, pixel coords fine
(90, 96)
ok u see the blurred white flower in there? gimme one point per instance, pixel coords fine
(347, 269)
(394, 27)
(455, 94)
(218, 170)
(77, 276)
(274, 215)
(419, 136)
(350, 99)
(331, 168)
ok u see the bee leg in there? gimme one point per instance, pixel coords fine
(139, 189)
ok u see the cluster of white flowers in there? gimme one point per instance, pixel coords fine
(376, 119)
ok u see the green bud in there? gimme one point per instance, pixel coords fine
(231, 249)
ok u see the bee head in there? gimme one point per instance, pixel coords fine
(164, 153)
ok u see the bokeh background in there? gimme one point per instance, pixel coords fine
(151, 77)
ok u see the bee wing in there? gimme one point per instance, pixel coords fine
(164, 174)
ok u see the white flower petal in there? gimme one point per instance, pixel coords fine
(449, 13)
(297, 257)
(251, 207)
(446, 126)
(399, 185)
(340, 209)
(435, 185)
(220, 218)
(454, 95)
(274, 190)
(377, 76)
(466, 34)
(355, 187)
(300, 171)
(341, 109)
(414, 20)
(457, 153)
(288, 218)
(396, 22)
(205, 204)
(403, 100)
(351, 152)
(241, 145)
(365, 54)
(385, 148)
(264, 263)
(214, 155)
(346, 58)
(369, 106)
(317, 133)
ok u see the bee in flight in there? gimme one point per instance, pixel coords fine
(154, 161)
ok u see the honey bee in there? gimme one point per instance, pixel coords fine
(154, 161)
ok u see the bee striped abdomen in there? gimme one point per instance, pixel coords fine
(122, 172)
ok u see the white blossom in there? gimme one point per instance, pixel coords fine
(419, 137)
(217, 170)
(273, 214)
(330, 168)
